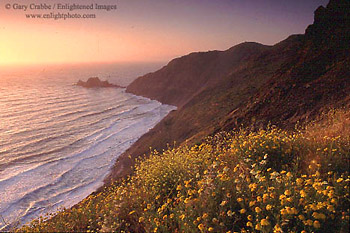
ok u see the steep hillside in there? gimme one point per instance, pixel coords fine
(250, 66)
(318, 81)
(184, 77)
(250, 85)
(266, 181)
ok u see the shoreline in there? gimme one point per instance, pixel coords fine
(159, 112)
(123, 166)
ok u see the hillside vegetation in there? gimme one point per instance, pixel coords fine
(265, 181)
(250, 84)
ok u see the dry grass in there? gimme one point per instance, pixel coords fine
(328, 140)
(332, 124)
(265, 181)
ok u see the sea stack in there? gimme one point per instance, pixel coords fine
(95, 82)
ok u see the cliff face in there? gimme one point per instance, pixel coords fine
(250, 84)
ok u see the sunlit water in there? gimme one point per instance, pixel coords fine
(58, 141)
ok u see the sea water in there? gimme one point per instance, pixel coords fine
(58, 141)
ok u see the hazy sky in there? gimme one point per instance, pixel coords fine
(146, 30)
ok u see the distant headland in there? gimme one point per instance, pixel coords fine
(95, 82)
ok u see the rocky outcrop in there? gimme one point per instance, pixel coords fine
(95, 82)
(318, 80)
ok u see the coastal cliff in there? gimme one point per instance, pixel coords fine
(203, 109)
(249, 85)
(185, 77)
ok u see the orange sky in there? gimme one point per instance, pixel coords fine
(55, 42)
(148, 30)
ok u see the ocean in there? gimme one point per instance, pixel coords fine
(58, 141)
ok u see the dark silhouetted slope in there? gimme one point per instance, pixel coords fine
(319, 80)
(184, 77)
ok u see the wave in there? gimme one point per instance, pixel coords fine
(88, 164)
(39, 152)
(38, 105)
(41, 133)
(58, 142)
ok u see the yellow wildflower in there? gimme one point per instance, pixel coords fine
(265, 196)
(309, 222)
(258, 227)
(287, 192)
(284, 211)
(252, 203)
(201, 227)
(294, 210)
(132, 212)
(229, 213)
(319, 216)
(330, 208)
(317, 224)
(223, 203)
(299, 181)
(277, 229)
(264, 222)
(242, 211)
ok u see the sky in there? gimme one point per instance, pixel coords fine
(144, 30)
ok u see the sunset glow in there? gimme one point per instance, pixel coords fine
(145, 31)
